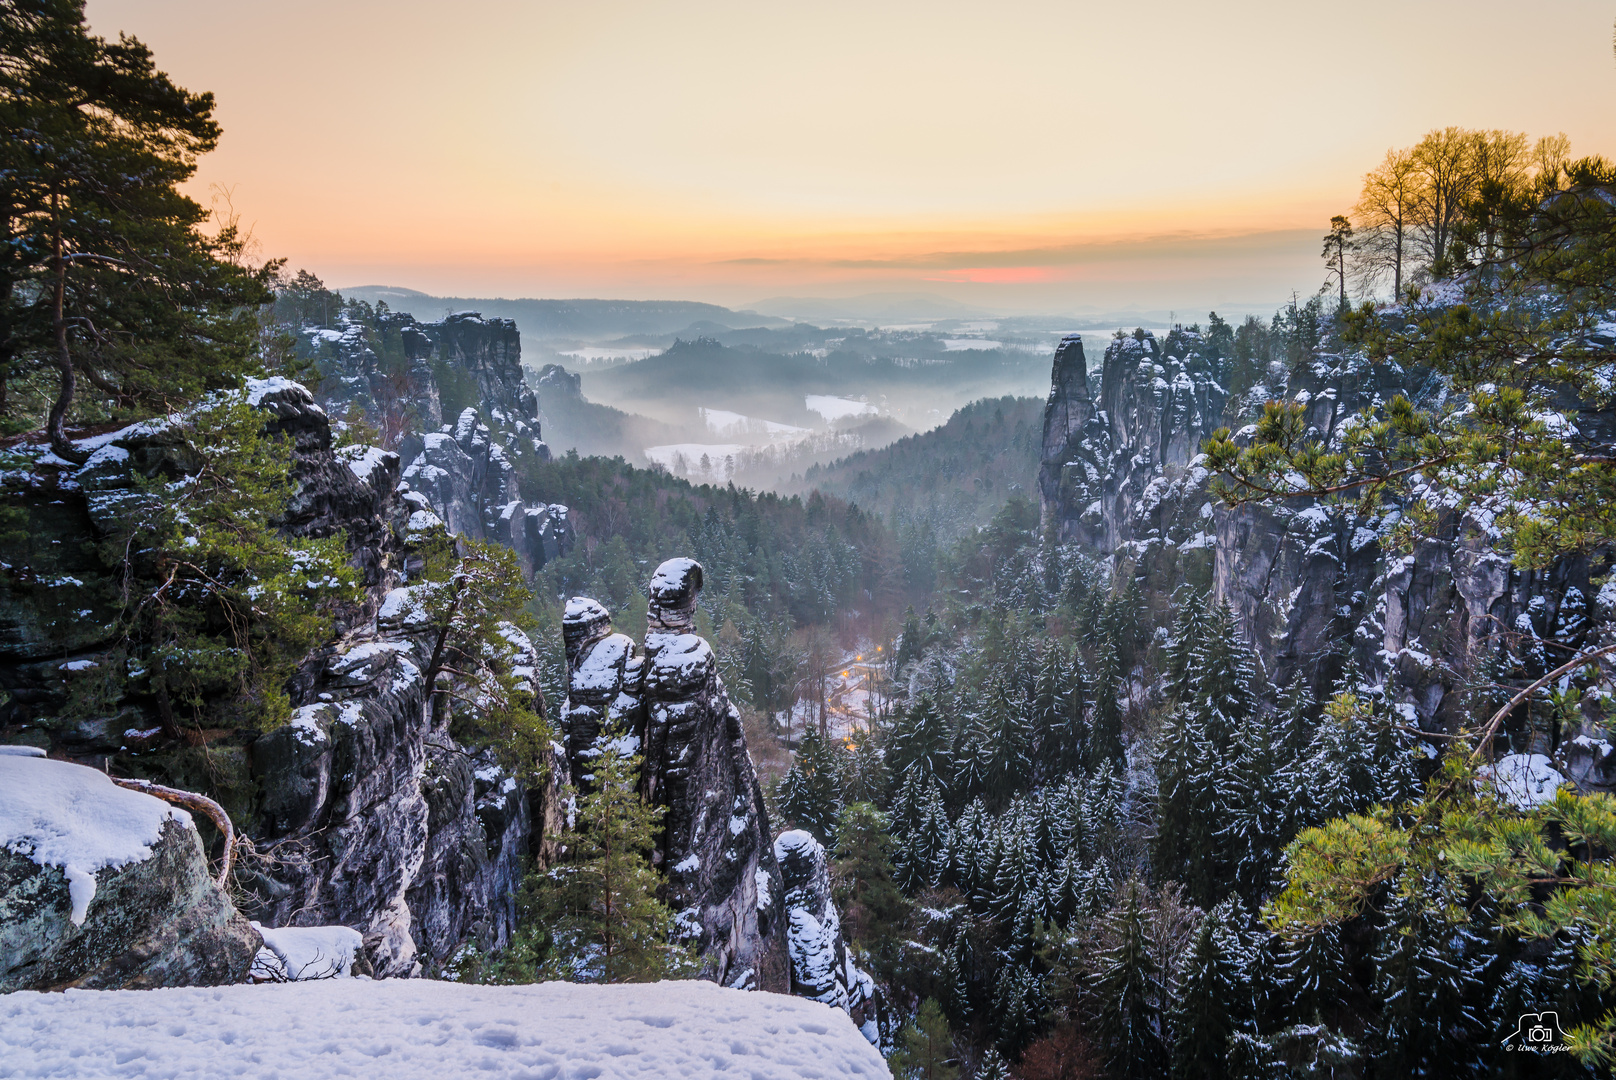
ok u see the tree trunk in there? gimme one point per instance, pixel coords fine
(55, 425)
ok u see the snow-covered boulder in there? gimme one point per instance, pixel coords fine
(105, 887)
(418, 1029)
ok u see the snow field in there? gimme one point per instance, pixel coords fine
(416, 1029)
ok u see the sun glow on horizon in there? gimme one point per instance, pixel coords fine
(1045, 155)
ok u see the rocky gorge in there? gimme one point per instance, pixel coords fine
(1313, 586)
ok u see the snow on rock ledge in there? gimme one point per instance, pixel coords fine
(105, 887)
(425, 1030)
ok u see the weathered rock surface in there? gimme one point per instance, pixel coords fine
(722, 880)
(464, 462)
(94, 916)
(358, 811)
(821, 966)
(1310, 585)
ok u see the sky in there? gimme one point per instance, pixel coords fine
(1049, 157)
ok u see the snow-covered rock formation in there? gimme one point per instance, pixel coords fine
(102, 887)
(822, 968)
(463, 458)
(1310, 585)
(358, 811)
(722, 880)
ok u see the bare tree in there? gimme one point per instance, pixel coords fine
(1446, 163)
(1386, 214)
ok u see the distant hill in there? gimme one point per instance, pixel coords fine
(570, 319)
(949, 479)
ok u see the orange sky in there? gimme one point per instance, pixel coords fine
(1055, 156)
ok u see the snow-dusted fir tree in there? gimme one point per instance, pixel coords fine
(1127, 989)
(1428, 978)
(1214, 995)
(1060, 696)
(811, 793)
(1105, 734)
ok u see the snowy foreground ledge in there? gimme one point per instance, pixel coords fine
(415, 1029)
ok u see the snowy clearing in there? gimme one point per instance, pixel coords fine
(416, 1029)
(728, 424)
(836, 408)
(966, 344)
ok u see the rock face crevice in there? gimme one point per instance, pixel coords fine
(1311, 585)
(723, 883)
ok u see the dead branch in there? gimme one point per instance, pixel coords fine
(192, 801)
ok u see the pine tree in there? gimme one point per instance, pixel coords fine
(925, 1048)
(107, 275)
(1213, 997)
(600, 911)
(1127, 989)
(810, 794)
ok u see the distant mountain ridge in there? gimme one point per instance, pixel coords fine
(577, 318)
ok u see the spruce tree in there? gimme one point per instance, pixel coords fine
(873, 910)
(1255, 823)
(810, 794)
(1427, 981)
(599, 908)
(992, 1067)
(1127, 988)
(1213, 997)
(1058, 735)
(1222, 677)
(1006, 759)
(919, 744)
(1189, 805)
(1105, 735)
(1188, 625)
(1312, 978)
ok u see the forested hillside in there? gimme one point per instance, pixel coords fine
(948, 479)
